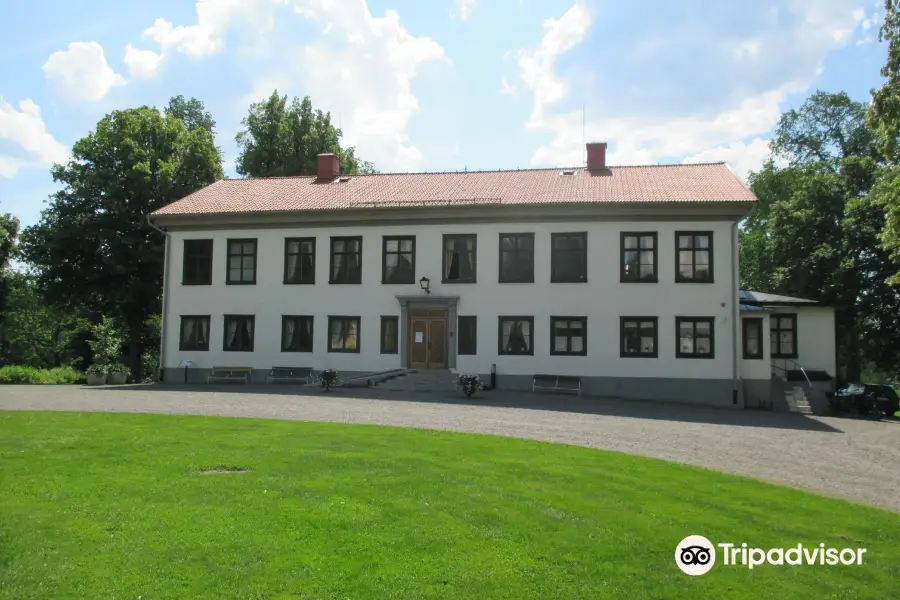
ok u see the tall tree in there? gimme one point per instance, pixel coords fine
(192, 113)
(36, 334)
(281, 139)
(92, 246)
(884, 115)
(9, 231)
(816, 231)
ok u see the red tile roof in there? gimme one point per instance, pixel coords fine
(713, 182)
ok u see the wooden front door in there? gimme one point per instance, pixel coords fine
(428, 340)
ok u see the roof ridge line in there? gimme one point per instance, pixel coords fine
(469, 172)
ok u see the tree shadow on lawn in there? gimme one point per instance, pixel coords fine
(588, 405)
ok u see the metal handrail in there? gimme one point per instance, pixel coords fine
(799, 367)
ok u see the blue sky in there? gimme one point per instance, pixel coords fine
(436, 85)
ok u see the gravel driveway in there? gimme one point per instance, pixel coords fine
(854, 459)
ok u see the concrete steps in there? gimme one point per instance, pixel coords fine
(422, 381)
(797, 401)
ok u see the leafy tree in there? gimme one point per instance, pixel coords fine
(885, 110)
(35, 334)
(92, 246)
(884, 115)
(816, 233)
(281, 139)
(192, 113)
(9, 231)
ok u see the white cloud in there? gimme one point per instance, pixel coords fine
(464, 8)
(741, 157)
(25, 129)
(506, 87)
(361, 70)
(537, 67)
(735, 132)
(81, 71)
(141, 63)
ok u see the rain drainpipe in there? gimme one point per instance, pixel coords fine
(735, 316)
(165, 300)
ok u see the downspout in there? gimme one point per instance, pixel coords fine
(165, 300)
(736, 395)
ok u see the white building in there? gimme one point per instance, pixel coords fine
(624, 276)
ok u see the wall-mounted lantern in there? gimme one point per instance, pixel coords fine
(425, 284)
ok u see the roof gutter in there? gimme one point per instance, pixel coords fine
(736, 395)
(705, 210)
(165, 298)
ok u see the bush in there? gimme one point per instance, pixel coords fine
(30, 375)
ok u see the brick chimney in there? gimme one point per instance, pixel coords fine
(596, 156)
(327, 166)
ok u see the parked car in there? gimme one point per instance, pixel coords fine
(865, 398)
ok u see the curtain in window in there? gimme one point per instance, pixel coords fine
(290, 327)
(247, 333)
(293, 261)
(351, 336)
(517, 333)
(231, 332)
(460, 258)
(337, 334)
(202, 332)
(353, 266)
(187, 338)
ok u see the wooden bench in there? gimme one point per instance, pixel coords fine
(290, 374)
(244, 374)
(558, 383)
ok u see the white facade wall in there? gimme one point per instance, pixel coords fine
(761, 368)
(815, 338)
(603, 299)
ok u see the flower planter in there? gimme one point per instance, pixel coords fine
(95, 378)
(117, 378)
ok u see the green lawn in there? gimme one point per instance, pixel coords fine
(100, 506)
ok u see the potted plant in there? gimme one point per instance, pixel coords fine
(95, 374)
(328, 379)
(117, 374)
(468, 383)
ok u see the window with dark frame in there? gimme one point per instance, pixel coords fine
(638, 257)
(696, 337)
(516, 336)
(296, 333)
(568, 336)
(343, 334)
(238, 333)
(346, 260)
(398, 262)
(390, 334)
(467, 336)
(197, 262)
(241, 262)
(300, 261)
(568, 257)
(194, 333)
(460, 254)
(516, 258)
(694, 256)
(639, 337)
(783, 336)
(752, 338)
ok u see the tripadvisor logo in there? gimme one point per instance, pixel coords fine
(696, 555)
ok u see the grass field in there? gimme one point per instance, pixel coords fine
(102, 506)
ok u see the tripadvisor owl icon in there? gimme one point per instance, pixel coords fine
(695, 555)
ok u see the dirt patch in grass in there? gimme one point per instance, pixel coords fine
(223, 470)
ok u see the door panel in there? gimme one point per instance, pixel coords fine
(437, 343)
(418, 343)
